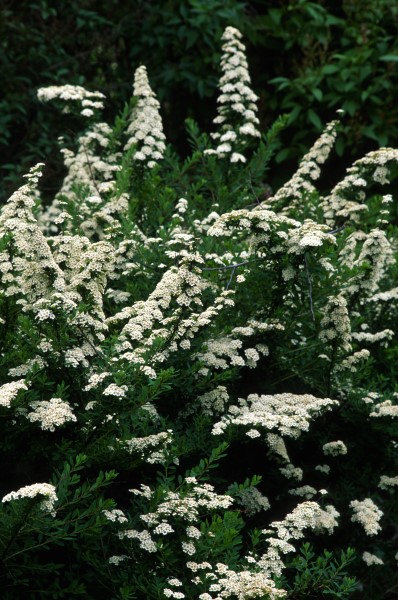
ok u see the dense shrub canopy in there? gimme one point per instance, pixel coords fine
(197, 382)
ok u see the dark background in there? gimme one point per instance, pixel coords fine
(306, 58)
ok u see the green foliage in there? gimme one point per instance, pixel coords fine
(321, 576)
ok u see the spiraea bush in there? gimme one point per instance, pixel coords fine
(197, 390)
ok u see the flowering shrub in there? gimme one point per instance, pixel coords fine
(182, 347)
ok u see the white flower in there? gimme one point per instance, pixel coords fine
(367, 514)
(145, 128)
(9, 391)
(371, 559)
(236, 102)
(334, 448)
(37, 489)
(50, 413)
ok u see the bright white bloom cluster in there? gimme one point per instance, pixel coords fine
(289, 414)
(146, 128)
(242, 585)
(367, 514)
(372, 338)
(88, 102)
(237, 119)
(334, 448)
(261, 221)
(326, 519)
(223, 352)
(309, 235)
(116, 515)
(150, 321)
(151, 448)
(376, 253)
(371, 559)
(188, 506)
(346, 200)
(118, 391)
(51, 413)
(336, 324)
(307, 515)
(92, 168)
(173, 593)
(144, 537)
(9, 391)
(37, 489)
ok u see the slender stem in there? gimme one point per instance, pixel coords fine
(230, 279)
(245, 262)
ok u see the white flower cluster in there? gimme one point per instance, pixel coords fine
(289, 414)
(9, 391)
(237, 111)
(76, 94)
(307, 515)
(309, 235)
(150, 321)
(347, 197)
(173, 593)
(217, 352)
(372, 338)
(146, 128)
(51, 413)
(386, 482)
(305, 491)
(323, 469)
(144, 538)
(118, 391)
(301, 183)
(367, 514)
(151, 448)
(371, 559)
(334, 448)
(336, 324)
(116, 515)
(37, 489)
(385, 409)
(188, 505)
(91, 168)
(252, 500)
(241, 585)
(116, 560)
(260, 221)
(378, 254)
(292, 472)
(326, 519)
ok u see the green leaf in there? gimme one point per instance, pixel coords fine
(389, 57)
(314, 119)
